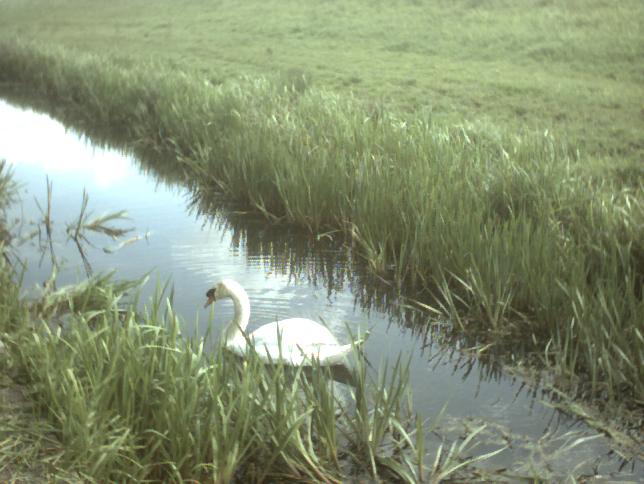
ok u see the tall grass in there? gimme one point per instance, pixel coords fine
(506, 230)
(129, 398)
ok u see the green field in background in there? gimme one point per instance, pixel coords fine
(575, 67)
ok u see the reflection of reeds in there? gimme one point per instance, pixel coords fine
(513, 238)
(78, 231)
(46, 222)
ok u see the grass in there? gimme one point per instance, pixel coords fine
(129, 399)
(572, 67)
(8, 195)
(511, 234)
(489, 155)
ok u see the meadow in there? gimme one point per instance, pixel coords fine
(488, 159)
(573, 68)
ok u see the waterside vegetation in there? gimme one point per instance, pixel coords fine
(511, 235)
(131, 399)
(93, 390)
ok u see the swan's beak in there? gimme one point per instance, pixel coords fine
(211, 298)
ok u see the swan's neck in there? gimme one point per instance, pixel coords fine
(237, 326)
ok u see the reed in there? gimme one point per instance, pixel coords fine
(127, 397)
(507, 230)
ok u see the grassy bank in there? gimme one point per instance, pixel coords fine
(571, 67)
(513, 235)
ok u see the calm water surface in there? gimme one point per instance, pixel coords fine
(286, 274)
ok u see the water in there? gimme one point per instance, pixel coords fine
(286, 273)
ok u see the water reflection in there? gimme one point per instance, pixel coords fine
(329, 263)
(33, 141)
(198, 238)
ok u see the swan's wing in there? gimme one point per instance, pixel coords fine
(294, 331)
(298, 356)
(326, 354)
(300, 341)
(268, 352)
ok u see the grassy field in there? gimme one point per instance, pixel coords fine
(572, 67)
(513, 233)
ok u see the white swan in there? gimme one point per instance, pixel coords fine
(300, 339)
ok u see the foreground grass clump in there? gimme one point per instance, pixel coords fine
(130, 399)
(513, 235)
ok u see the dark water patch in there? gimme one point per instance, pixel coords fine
(196, 240)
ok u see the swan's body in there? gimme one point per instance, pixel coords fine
(295, 341)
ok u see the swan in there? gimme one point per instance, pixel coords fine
(300, 340)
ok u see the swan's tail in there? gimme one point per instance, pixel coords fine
(335, 355)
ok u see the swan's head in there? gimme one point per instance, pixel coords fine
(223, 289)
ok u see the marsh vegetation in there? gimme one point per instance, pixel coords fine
(509, 236)
(529, 238)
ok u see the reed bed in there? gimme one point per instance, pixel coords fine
(126, 397)
(508, 232)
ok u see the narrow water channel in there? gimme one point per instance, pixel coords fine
(286, 274)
